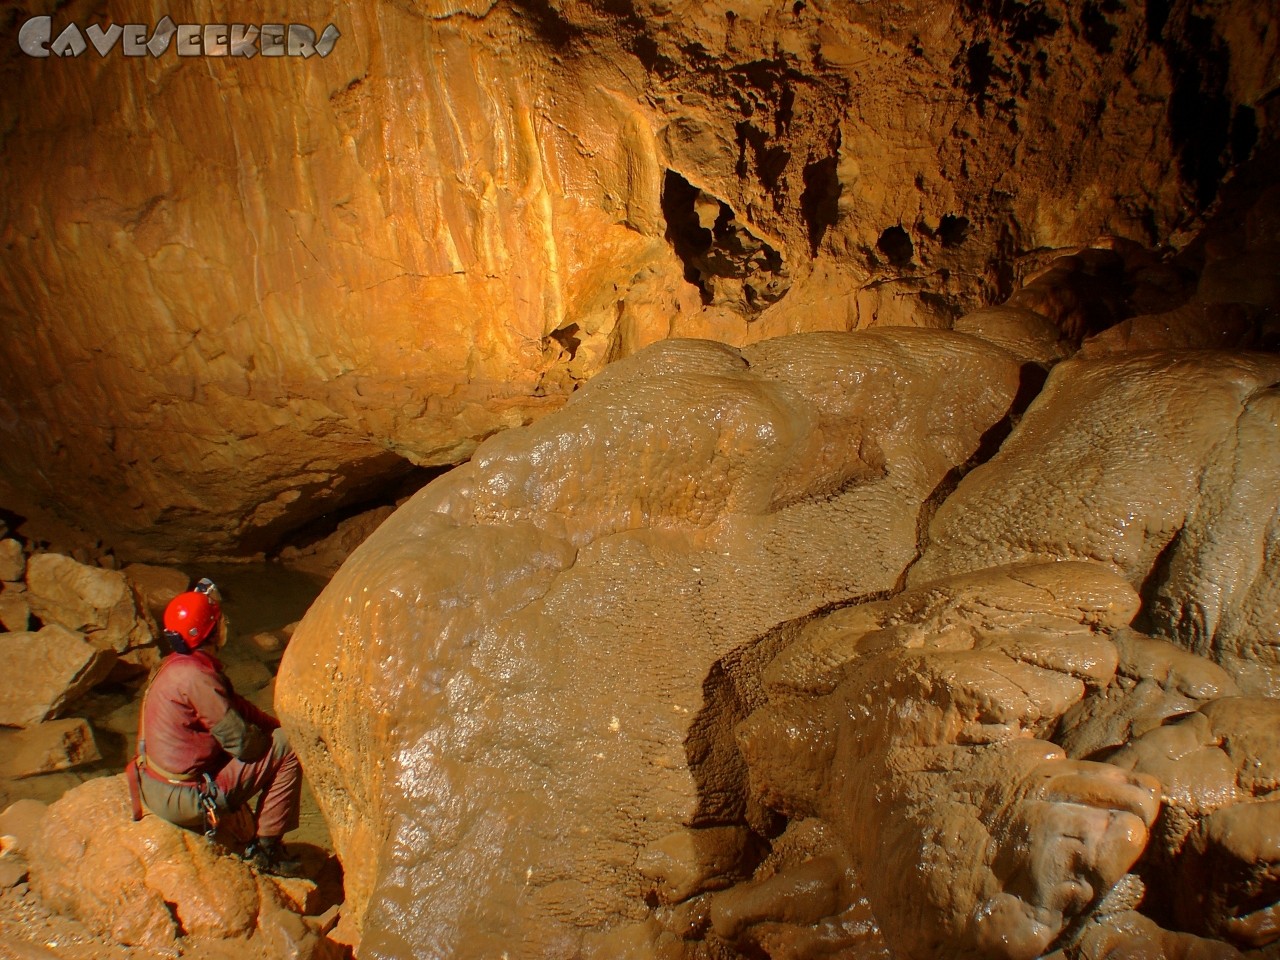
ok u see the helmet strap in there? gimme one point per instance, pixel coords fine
(177, 643)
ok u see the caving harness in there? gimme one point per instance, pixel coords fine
(202, 782)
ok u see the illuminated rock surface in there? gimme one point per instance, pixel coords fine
(535, 645)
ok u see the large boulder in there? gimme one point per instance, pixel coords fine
(151, 884)
(48, 670)
(47, 747)
(539, 638)
(155, 586)
(1164, 465)
(98, 603)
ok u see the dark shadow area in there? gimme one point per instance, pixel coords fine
(548, 24)
(402, 480)
(952, 230)
(729, 264)
(1209, 136)
(820, 199)
(896, 246)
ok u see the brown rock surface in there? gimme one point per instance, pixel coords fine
(149, 883)
(155, 586)
(924, 730)
(15, 611)
(1106, 464)
(13, 560)
(47, 747)
(465, 209)
(1215, 861)
(930, 756)
(532, 635)
(47, 670)
(97, 603)
(1161, 464)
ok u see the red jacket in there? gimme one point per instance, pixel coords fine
(193, 721)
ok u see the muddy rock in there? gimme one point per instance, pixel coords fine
(1155, 680)
(1215, 858)
(325, 556)
(155, 586)
(15, 611)
(19, 826)
(1078, 294)
(942, 736)
(97, 603)
(48, 670)
(1208, 326)
(1217, 590)
(47, 747)
(1109, 464)
(1024, 333)
(930, 756)
(536, 636)
(149, 883)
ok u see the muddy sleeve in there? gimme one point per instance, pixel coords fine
(254, 715)
(243, 740)
(216, 705)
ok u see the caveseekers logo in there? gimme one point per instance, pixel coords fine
(187, 39)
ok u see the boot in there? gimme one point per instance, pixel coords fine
(268, 855)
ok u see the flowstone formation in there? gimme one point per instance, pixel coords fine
(899, 643)
(238, 295)
(517, 697)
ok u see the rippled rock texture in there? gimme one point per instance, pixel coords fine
(515, 697)
(237, 295)
(741, 652)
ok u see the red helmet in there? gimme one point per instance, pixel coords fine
(192, 616)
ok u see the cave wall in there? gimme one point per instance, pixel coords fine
(236, 294)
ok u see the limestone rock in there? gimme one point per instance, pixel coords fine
(1106, 464)
(1078, 294)
(248, 676)
(325, 556)
(47, 747)
(13, 560)
(1155, 681)
(1024, 333)
(48, 670)
(1218, 590)
(918, 729)
(1216, 856)
(542, 639)
(1192, 326)
(269, 641)
(98, 603)
(145, 883)
(20, 822)
(15, 612)
(156, 586)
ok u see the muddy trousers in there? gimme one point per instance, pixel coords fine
(275, 779)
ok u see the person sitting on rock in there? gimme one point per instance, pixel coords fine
(204, 750)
